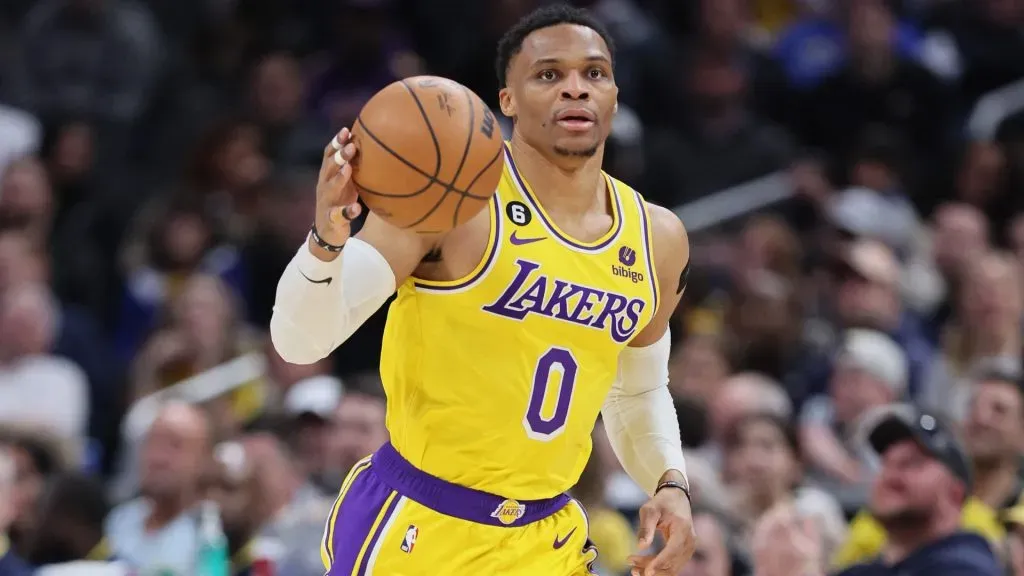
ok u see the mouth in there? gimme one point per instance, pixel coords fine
(576, 119)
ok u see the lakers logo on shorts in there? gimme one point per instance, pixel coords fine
(509, 511)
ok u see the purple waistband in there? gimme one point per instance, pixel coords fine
(459, 501)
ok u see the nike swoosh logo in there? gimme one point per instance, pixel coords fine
(322, 281)
(517, 241)
(561, 542)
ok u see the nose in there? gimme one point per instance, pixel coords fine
(575, 88)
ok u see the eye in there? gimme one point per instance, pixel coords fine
(547, 75)
(596, 74)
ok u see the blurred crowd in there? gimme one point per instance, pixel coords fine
(157, 166)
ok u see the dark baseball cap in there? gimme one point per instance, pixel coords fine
(929, 431)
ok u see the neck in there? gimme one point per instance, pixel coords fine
(905, 541)
(165, 510)
(569, 183)
(993, 485)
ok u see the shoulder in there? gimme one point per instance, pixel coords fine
(671, 244)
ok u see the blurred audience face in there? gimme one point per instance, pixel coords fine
(183, 239)
(994, 431)
(761, 458)
(26, 199)
(358, 429)
(722, 21)
(234, 486)
(767, 244)
(175, 453)
(982, 174)
(743, 395)
(912, 488)
(29, 482)
(277, 89)
(204, 313)
(697, 369)
(73, 152)
(991, 300)
(711, 558)
(717, 87)
(856, 391)
(27, 321)
(960, 235)
(20, 263)
(868, 293)
(872, 28)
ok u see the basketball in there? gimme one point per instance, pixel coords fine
(430, 154)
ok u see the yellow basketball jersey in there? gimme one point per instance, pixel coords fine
(495, 380)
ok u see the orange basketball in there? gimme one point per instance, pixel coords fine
(430, 154)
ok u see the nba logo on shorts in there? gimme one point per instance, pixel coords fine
(509, 511)
(410, 538)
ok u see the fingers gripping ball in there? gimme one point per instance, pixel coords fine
(430, 154)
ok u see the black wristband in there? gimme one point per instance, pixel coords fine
(673, 484)
(323, 243)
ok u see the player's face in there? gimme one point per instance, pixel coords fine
(561, 91)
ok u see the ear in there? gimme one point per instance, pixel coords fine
(507, 103)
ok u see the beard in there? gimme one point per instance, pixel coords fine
(584, 153)
(909, 519)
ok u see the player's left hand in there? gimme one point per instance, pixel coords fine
(668, 512)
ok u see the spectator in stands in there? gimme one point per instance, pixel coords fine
(918, 497)
(870, 372)
(295, 507)
(278, 90)
(236, 488)
(309, 406)
(985, 334)
(158, 530)
(37, 457)
(180, 245)
(698, 367)
(70, 529)
(992, 437)
(28, 316)
(95, 58)
(816, 44)
(1015, 234)
(960, 236)
(762, 467)
(742, 395)
(877, 85)
(358, 429)
(711, 558)
(609, 531)
(10, 563)
(204, 331)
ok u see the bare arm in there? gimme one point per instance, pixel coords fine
(323, 295)
(639, 415)
(822, 448)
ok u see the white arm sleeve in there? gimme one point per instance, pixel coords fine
(320, 304)
(640, 418)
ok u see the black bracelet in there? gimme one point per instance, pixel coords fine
(323, 243)
(674, 484)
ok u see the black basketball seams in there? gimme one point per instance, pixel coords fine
(455, 217)
(462, 162)
(430, 127)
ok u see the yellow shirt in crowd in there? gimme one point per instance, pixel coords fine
(866, 536)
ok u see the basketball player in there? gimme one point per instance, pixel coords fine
(509, 335)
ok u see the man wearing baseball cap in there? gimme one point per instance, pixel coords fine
(918, 497)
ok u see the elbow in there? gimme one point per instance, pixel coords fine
(291, 345)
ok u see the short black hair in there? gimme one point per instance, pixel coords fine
(545, 17)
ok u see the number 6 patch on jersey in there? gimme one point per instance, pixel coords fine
(518, 213)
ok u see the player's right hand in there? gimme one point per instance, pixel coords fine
(336, 200)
